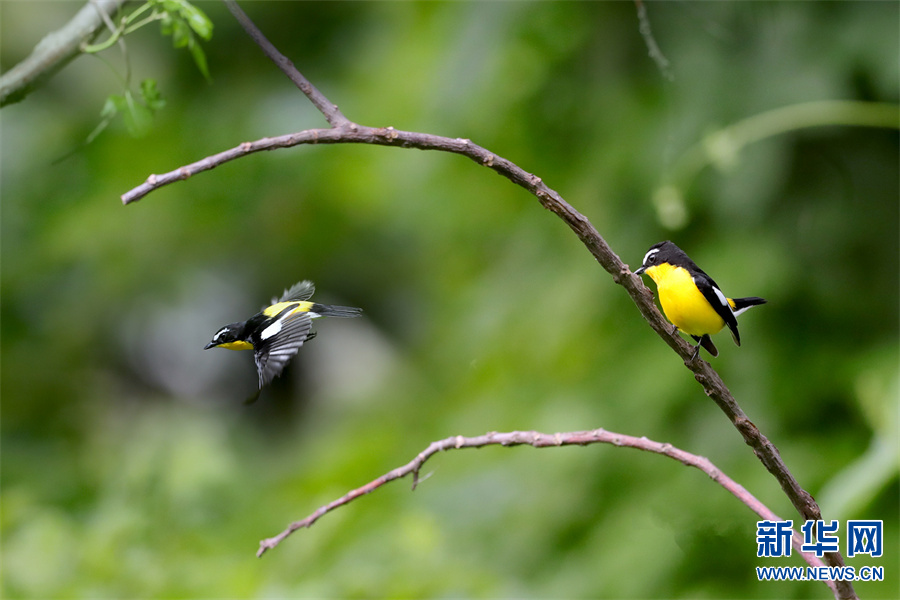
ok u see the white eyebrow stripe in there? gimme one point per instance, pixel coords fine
(649, 254)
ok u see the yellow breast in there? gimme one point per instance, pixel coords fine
(237, 345)
(684, 304)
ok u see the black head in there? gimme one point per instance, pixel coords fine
(227, 335)
(665, 252)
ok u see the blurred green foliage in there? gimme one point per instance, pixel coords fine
(130, 468)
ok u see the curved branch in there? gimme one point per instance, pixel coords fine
(55, 50)
(545, 440)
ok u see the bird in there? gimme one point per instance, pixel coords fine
(690, 298)
(277, 332)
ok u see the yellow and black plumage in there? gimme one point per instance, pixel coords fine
(276, 333)
(690, 298)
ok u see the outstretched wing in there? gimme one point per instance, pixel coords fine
(279, 342)
(719, 302)
(299, 291)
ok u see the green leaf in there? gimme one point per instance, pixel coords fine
(138, 119)
(165, 25)
(199, 58)
(151, 96)
(190, 14)
(118, 103)
(110, 109)
(198, 21)
(181, 33)
(181, 20)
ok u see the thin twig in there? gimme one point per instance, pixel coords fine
(662, 63)
(331, 112)
(545, 440)
(345, 131)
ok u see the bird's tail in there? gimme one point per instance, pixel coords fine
(707, 343)
(325, 310)
(739, 305)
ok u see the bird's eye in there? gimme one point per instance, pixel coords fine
(650, 257)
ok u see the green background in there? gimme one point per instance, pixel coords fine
(130, 466)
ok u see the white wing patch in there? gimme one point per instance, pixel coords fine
(271, 330)
(721, 297)
(292, 330)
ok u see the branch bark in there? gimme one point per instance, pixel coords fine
(547, 440)
(345, 131)
(55, 50)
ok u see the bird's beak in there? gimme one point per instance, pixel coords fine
(639, 271)
(209, 345)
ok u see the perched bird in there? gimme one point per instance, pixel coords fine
(690, 298)
(276, 333)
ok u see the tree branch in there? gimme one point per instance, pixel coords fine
(55, 50)
(344, 131)
(331, 112)
(545, 440)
